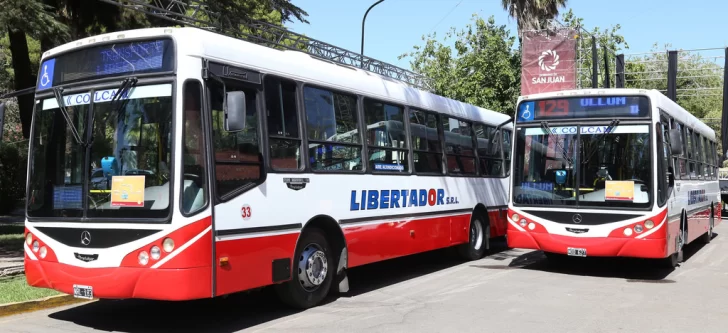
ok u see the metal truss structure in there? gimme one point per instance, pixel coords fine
(197, 13)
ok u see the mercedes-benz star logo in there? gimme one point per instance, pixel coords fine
(576, 218)
(85, 238)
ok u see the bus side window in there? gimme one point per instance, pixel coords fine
(283, 134)
(237, 154)
(426, 144)
(507, 151)
(194, 188)
(333, 130)
(664, 168)
(386, 137)
(459, 146)
(490, 163)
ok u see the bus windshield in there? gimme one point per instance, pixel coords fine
(121, 167)
(588, 166)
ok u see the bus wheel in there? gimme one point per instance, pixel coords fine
(311, 279)
(474, 249)
(674, 259)
(708, 236)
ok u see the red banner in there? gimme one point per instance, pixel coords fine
(548, 61)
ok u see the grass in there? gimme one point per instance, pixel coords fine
(16, 289)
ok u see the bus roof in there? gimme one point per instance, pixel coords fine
(658, 100)
(196, 42)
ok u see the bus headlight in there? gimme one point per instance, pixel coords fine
(168, 244)
(628, 231)
(515, 217)
(531, 226)
(43, 252)
(649, 224)
(155, 252)
(143, 258)
(638, 228)
(29, 239)
(35, 246)
(523, 222)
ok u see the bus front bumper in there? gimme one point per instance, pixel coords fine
(122, 282)
(594, 246)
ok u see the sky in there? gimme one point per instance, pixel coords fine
(393, 27)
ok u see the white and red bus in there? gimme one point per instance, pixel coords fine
(611, 173)
(227, 166)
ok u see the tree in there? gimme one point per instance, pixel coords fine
(22, 19)
(532, 14)
(484, 71)
(699, 82)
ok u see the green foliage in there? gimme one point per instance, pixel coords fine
(7, 76)
(33, 17)
(532, 14)
(609, 38)
(12, 177)
(481, 68)
(699, 81)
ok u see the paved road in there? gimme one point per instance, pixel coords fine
(508, 291)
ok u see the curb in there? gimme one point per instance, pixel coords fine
(39, 304)
(12, 271)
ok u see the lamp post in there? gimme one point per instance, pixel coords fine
(362, 31)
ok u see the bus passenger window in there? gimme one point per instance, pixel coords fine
(425, 142)
(333, 130)
(489, 156)
(283, 134)
(194, 194)
(459, 146)
(386, 137)
(237, 154)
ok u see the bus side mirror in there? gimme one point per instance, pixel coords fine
(2, 119)
(676, 142)
(235, 111)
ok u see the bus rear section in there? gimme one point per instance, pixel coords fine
(602, 174)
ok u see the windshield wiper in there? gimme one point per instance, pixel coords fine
(564, 153)
(126, 86)
(600, 138)
(61, 106)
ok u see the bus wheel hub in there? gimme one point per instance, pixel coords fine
(312, 267)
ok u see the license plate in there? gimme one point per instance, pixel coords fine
(576, 252)
(85, 292)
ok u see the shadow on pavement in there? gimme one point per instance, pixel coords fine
(243, 310)
(630, 269)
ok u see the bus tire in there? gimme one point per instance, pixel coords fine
(478, 235)
(313, 271)
(674, 259)
(708, 235)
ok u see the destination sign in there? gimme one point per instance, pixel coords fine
(584, 107)
(113, 59)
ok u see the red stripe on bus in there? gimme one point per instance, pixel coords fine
(377, 242)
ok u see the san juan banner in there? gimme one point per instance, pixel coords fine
(548, 61)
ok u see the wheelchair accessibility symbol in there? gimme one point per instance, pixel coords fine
(526, 111)
(46, 77)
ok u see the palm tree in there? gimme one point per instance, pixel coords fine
(532, 14)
